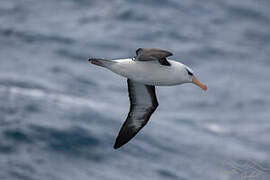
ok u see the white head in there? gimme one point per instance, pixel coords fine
(189, 77)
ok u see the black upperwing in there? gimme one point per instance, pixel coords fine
(143, 103)
(152, 54)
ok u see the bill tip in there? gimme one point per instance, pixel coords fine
(205, 88)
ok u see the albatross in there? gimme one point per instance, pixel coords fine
(149, 68)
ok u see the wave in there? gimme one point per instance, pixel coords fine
(73, 141)
(33, 37)
(60, 99)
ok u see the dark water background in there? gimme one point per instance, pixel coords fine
(59, 115)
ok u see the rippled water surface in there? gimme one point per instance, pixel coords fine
(59, 115)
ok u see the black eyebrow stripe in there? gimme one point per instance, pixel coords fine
(190, 73)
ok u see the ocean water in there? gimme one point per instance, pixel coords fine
(59, 115)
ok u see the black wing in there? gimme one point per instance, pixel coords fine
(152, 54)
(143, 103)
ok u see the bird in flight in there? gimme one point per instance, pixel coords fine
(148, 69)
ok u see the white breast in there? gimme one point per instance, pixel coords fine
(150, 72)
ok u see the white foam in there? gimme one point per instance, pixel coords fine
(61, 99)
(215, 128)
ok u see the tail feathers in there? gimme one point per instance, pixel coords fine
(100, 62)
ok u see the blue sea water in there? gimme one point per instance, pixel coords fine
(59, 115)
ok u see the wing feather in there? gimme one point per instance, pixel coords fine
(152, 54)
(143, 103)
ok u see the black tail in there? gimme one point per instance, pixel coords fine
(97, 61)
(100, 62)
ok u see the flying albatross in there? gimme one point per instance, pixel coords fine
(148, 69)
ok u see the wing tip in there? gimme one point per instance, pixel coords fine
(117, 145)
(137, 51)
(121, 140)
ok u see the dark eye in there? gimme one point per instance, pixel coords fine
(190, 73)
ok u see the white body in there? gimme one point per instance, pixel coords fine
(150, 72)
